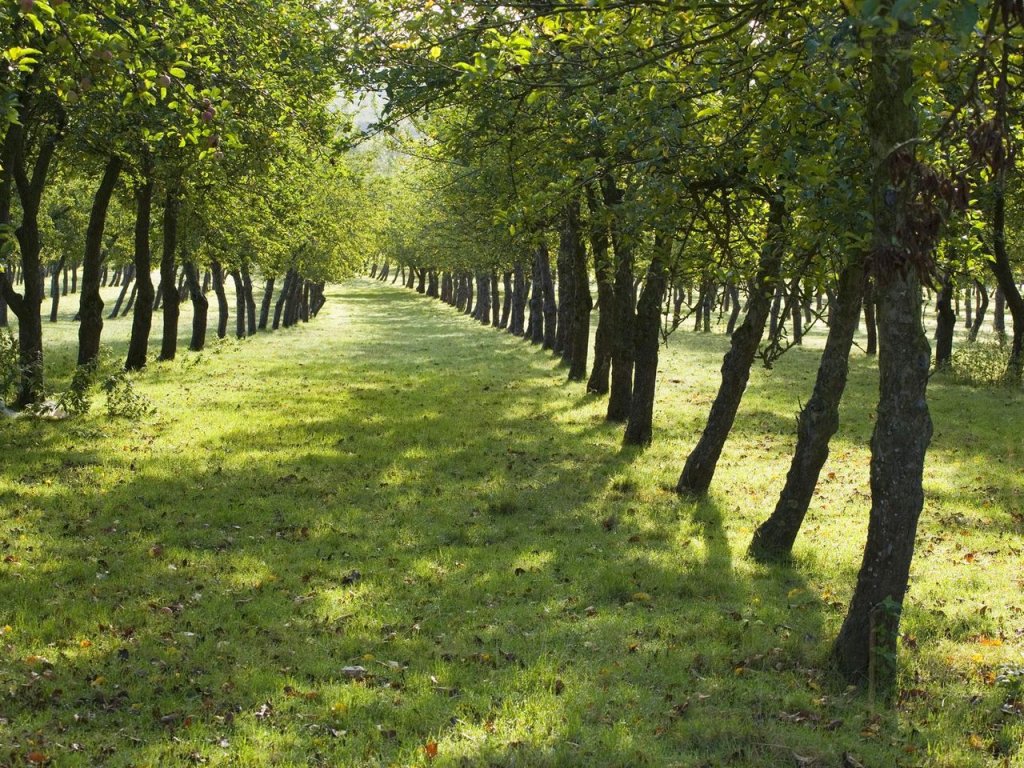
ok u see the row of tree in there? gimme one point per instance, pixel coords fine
(767, 154)
(173, 137)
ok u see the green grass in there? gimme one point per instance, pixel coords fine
(398, 488)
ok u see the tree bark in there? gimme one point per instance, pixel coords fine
(27, 305)
(142, 320)
(250, 301)
(604, 274)
(945, 325)
(55, 289)
(622, 308)
(639, 429)
(91, 309)
(268, 297)
(217, 272)
(200, 307)
(517, 320)
(817, 423)
(866, 646)
(506, 308)
(236, 278)
(979, 314)
(703, 460)
(171, 297)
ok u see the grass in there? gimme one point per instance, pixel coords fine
(396, 488)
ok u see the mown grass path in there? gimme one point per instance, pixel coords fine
(396, 488)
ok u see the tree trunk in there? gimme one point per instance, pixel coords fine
(55, 289)
(945, 325)
(604, 274)
(250, 301)
(222, 299)
(579, 334)
(171, 297)
(866, 646)
(639, 429)
(289, 277)
(517, 320)
(536, 328)
(734, 313)
(236, 278)
(622, 308)
(817, 423)
(1000, 263)
(506, 308)
(200, 307)
(268, 297)
(91, 308)
(142, 320)
(703, 460)
(870, 322)
(550, 308)
(979, 315)
(26, 305)
(120, 299)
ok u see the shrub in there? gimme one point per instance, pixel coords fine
(980, 364)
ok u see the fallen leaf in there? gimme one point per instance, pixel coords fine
(431, 749)
(37, 758)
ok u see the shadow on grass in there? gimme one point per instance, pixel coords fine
(401, 494)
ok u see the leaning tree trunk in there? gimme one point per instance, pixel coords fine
(286, 289)
(639, 430)
(91, 309)
(268, 298)
(200, 307)
(817, 423)
(703, 460)
(866, 646)
(128, 283)
(171, 297)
